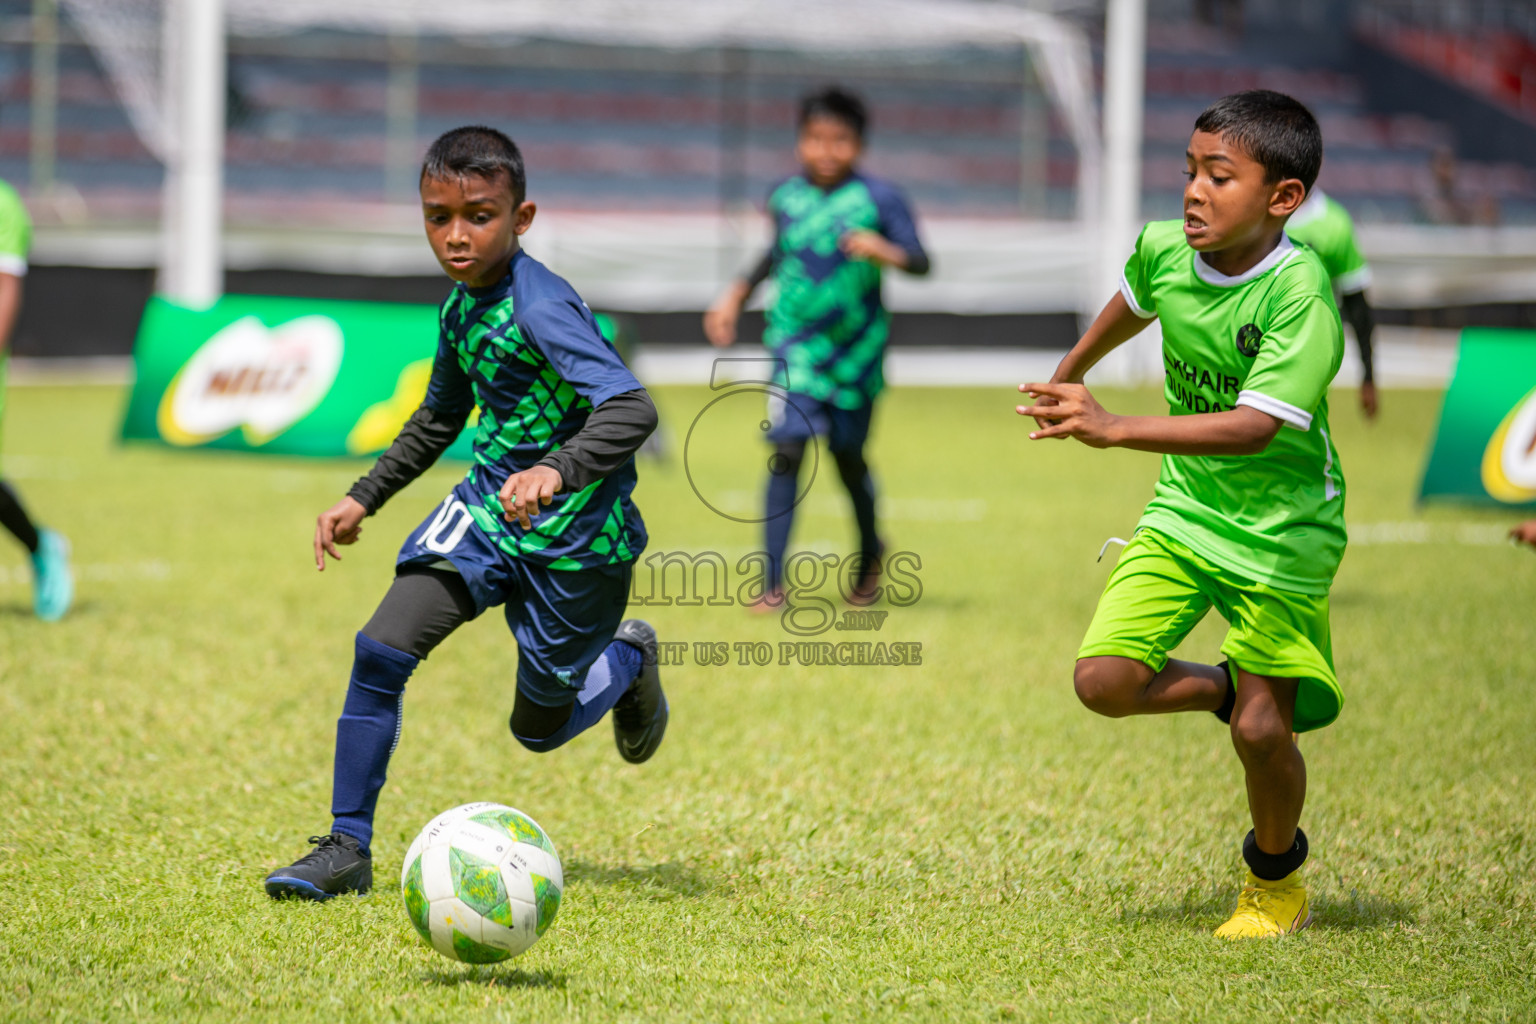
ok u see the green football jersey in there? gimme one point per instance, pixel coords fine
(1270, 339)
(15, 232)
(828, 322)
(15, 241)
(1325, 227)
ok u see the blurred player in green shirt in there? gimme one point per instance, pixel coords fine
(1248, 513)
(53, 586)
(1325, 227)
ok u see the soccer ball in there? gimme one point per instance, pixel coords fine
(482, 883)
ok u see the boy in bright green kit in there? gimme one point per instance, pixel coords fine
(53, 584)
(1248, 513)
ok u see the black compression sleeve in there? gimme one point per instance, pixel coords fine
(421, 442)
(1358, 312)
(760, 271)
(613, 432)
(918, 263)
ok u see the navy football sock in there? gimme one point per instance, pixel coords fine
(783, 488)
(366, 735)
(606, 681)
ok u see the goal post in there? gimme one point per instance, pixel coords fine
(191, 262)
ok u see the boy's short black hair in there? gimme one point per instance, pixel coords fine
(478, 150)
(1277, 131)
(835, 102)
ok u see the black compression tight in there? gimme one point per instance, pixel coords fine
(15, 519)
(855, 475)
(423, 606)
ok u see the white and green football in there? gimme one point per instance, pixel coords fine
(482, 883)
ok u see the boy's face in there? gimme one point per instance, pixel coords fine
(828, 149)
(1228, 203)
(473, 226)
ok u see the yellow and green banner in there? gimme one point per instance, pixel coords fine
(283, 376)
(1485, 448)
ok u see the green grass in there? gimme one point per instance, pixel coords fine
(954, 841)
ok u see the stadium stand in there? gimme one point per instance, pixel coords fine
(607, 129)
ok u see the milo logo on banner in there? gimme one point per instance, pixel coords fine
(281, 376)
(1509, 461)
(1485, 447)
(260, 379)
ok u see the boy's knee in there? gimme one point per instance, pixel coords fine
(851, 465)
(1259, 732)
(542, 743)
(539, 728)
(1102, 684)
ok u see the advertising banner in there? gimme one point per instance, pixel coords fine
(281, 376)
(1485, 448)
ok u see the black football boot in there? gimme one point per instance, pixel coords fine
(640, 716)
(333, 867)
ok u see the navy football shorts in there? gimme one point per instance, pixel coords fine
(793, 416)
(562, 619)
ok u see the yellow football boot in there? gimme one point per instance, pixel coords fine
(1267, 909)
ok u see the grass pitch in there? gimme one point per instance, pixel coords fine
(957, 840)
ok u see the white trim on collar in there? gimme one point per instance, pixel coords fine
(1277, 256)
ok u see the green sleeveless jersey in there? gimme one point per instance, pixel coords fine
(1270, 339)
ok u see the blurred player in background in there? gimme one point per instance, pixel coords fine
(1325, 227)
(1248, 513)
(53, 585)
(835, 231)
(560, 420)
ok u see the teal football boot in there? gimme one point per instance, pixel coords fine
(53, 584)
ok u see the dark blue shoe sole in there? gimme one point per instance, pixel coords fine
(281, 887)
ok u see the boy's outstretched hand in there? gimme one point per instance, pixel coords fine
(1068, 410)
(720, 319)
(1368, 401)
(864, 244)
(523, 494)
(339, 524)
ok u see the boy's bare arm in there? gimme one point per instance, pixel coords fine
(10, 308)
(1074, 412)
(1115, 325)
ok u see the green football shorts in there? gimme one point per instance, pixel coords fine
(1160, 590)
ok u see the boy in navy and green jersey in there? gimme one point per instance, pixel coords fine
(1248, 513)
(542, 523)
(53, 584)
(835, 231)
(1325, 227)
